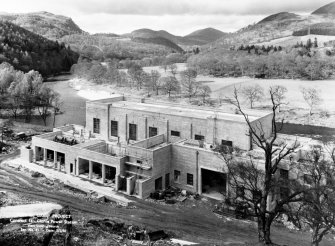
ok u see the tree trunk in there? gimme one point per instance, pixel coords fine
(54, 120)
(315, 237)
(264, 232)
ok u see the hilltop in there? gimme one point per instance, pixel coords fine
(282, 28)
(199, 37)
(46, 24)
(204, 36)
(328, 9)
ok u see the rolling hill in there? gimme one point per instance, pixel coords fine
(46, 24)
(282, 28)
(199, 37)
(205, 36)
(328, 9)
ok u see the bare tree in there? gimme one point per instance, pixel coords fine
(188, 82)
(153, 82)
(317, 210)
(252, 93)
(205, 92)
(173, 69)
(45, 99)
(279, 92)
(260, 178)
(56, 106)
(312, 97)
(170, 84)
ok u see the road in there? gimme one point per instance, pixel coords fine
(192, 224)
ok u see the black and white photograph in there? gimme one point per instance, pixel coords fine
(167, 122)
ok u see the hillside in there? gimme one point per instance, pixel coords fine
(205, 36)
(276, 27)
(328, 9)
(160, 41)
(103, 47)
(26, 50)
(46, 24)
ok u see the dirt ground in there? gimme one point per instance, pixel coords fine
(192, 220)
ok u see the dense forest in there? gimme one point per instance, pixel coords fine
(27, 51)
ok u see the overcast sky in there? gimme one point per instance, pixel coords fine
(176, 16)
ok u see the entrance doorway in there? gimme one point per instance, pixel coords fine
(214, 184)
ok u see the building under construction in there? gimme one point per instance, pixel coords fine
(136, 146)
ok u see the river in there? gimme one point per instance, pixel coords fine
(73, 108)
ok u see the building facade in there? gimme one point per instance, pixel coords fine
(136, 146)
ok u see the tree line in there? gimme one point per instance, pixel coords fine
(152, 82)
(302, 62)
(25, 94)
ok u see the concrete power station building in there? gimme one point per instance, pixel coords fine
(137, 146)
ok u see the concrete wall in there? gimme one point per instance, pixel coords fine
(214, 130)
(146, 187)
(99, 111)
(73, 152)
(162, 163)
(150, 142)
(190, 160)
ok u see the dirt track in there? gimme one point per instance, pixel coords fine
(193, 224)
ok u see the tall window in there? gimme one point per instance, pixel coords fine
(96, 125)
(114, 128)
(152, 131)
(190, 179)
(176, 175)
(132, 132)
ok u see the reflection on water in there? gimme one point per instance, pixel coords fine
(73, 107)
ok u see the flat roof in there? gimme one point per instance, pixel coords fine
(199, 113)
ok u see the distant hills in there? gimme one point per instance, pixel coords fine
(328, 9)
(283, 29)
(63, 29)
(44, 23)
(199, 37)
(205, 36)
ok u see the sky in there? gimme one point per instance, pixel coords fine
(179, 17)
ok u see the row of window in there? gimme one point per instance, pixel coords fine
(153, 131)
(189, 177)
